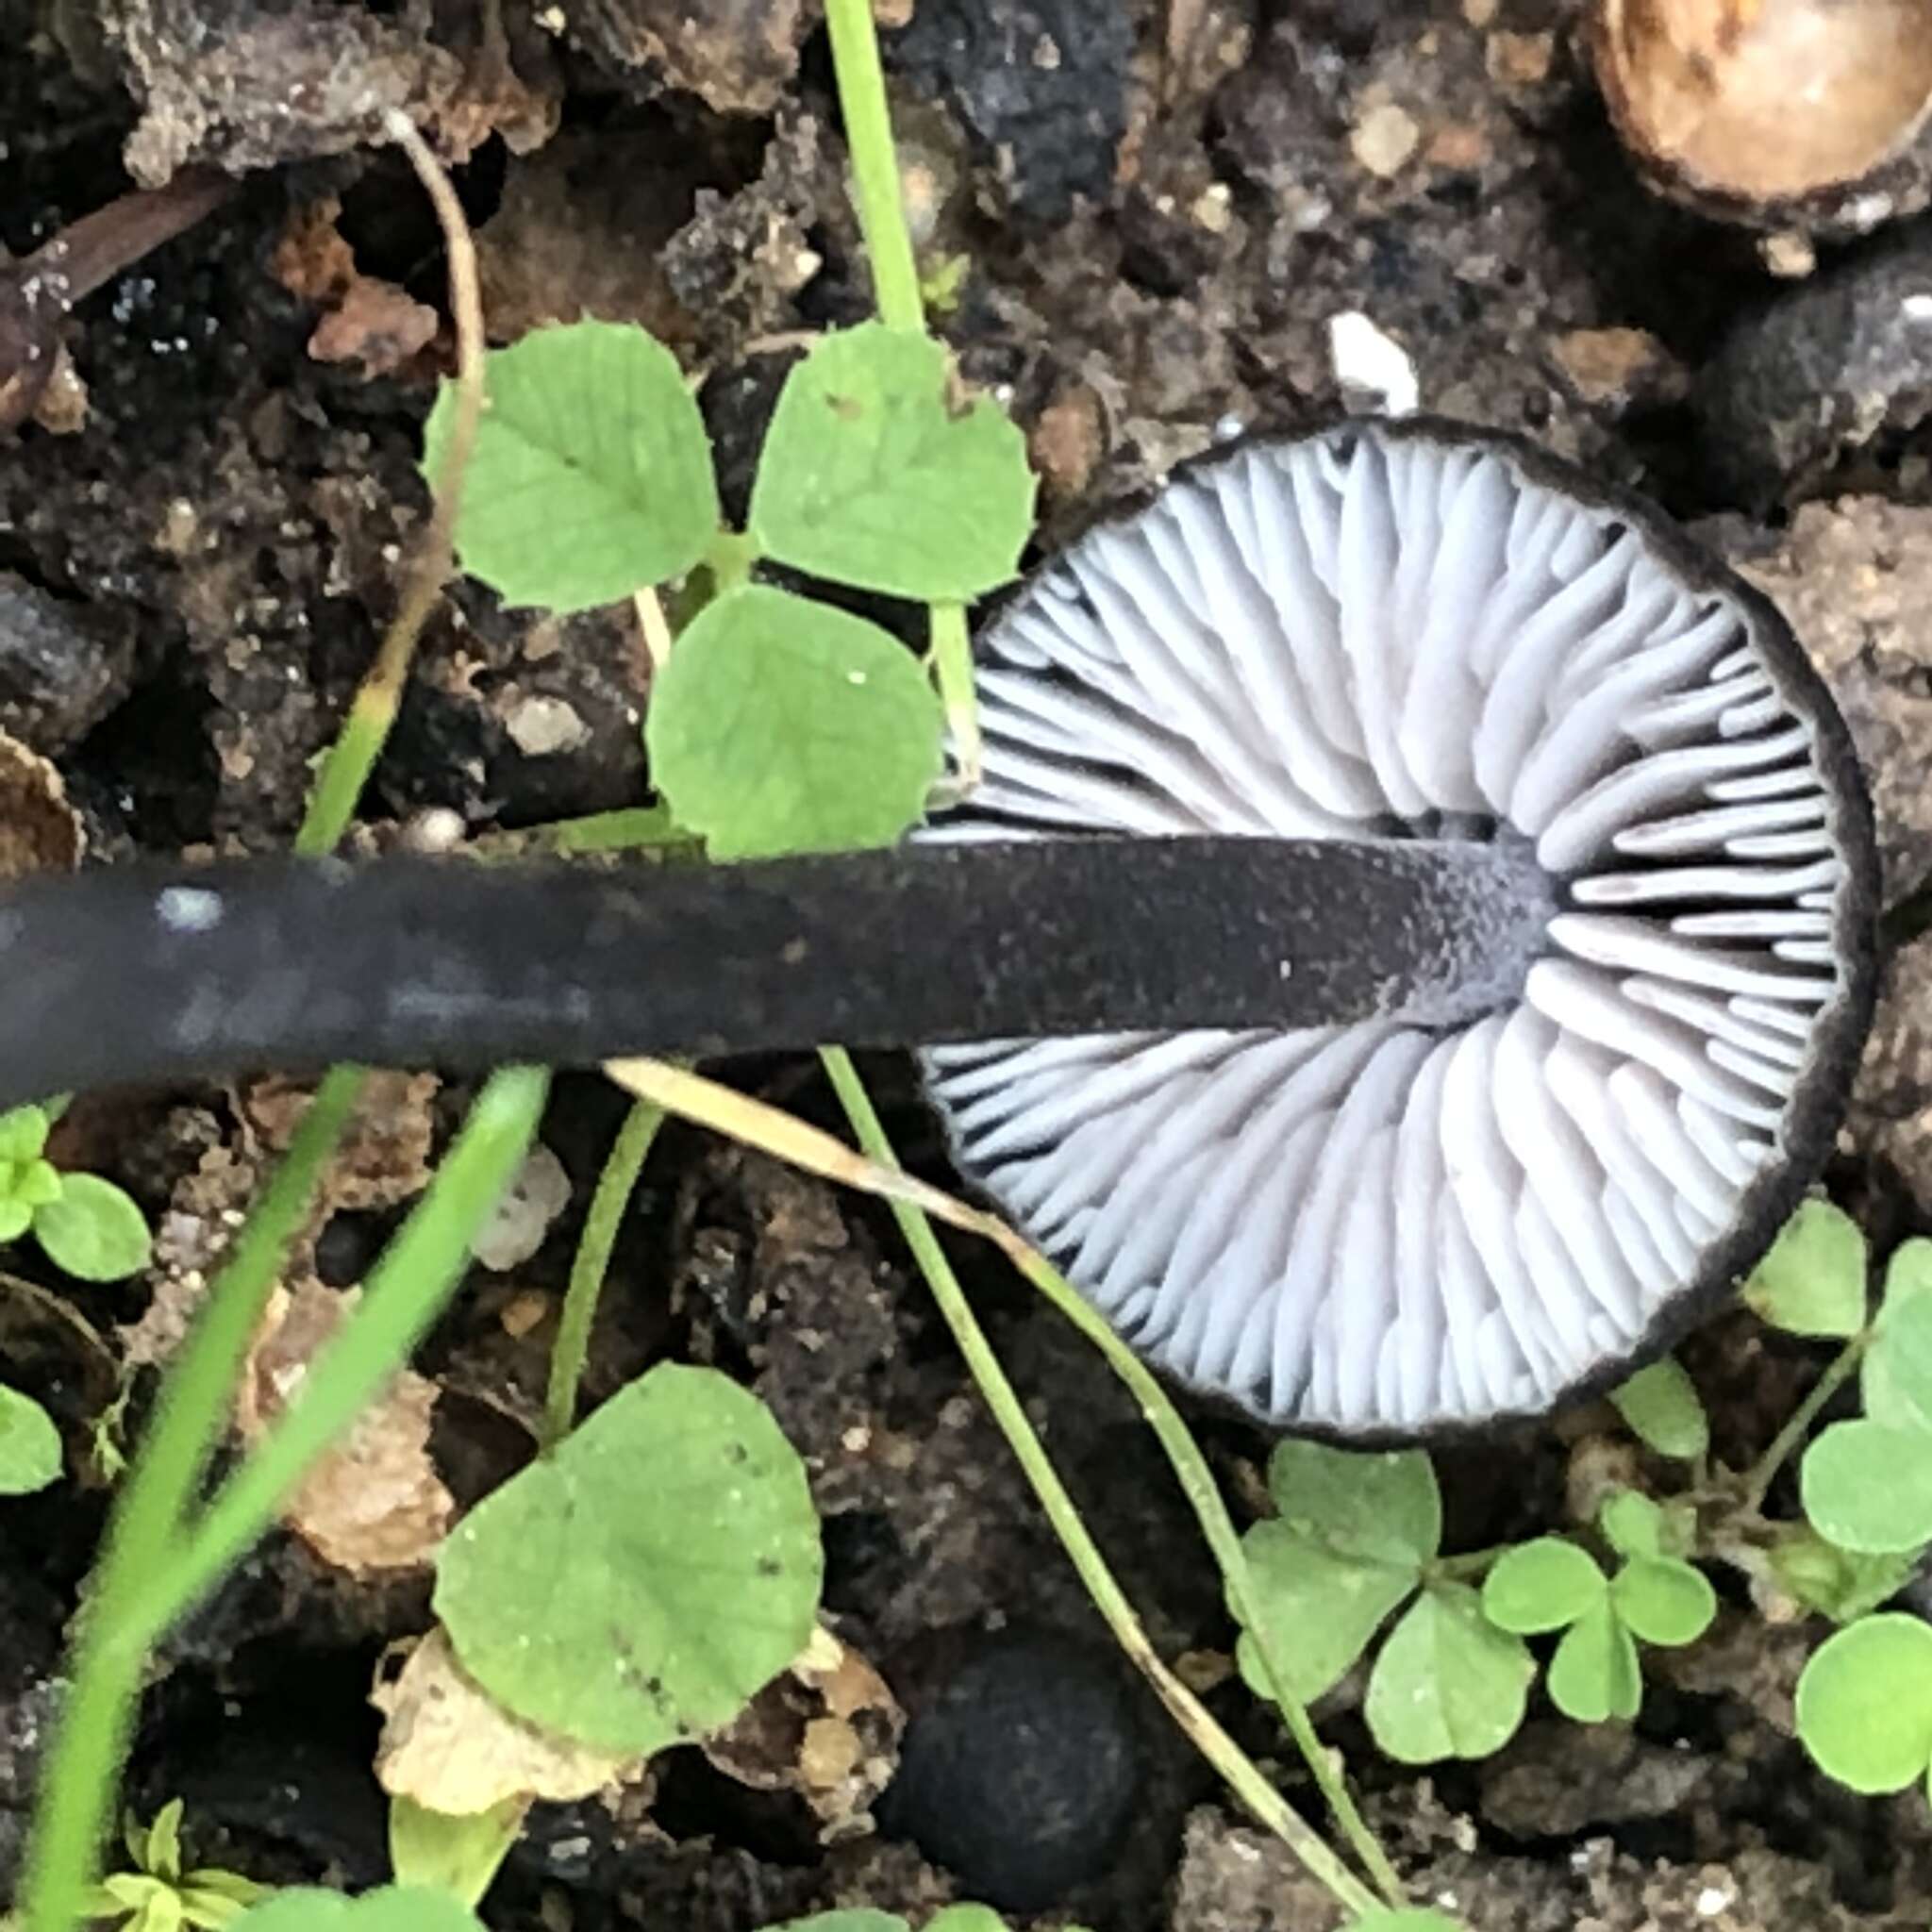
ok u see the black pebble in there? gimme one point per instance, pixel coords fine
(1020, 1769)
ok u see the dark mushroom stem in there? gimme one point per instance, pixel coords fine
(128, 974)
(38, 292)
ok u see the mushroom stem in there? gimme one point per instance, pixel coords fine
(132, 974)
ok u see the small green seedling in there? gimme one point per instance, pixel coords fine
(89, 1227)
(1554, 1584)
(779, 724)
(1357, 1536)
(158, 1896)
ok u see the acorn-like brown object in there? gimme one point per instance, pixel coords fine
(1769, 109)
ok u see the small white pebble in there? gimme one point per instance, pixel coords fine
(188, 909)
(1369, 366)
(435, 828)
(522, 1218)
(542, 725)
(1917, 308)
(1712, 1900)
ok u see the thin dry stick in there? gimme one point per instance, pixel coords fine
(351, 758)
(756, 1123)
(653, 624)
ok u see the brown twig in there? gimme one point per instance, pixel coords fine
(38, 292)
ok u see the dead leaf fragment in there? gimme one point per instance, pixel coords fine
(827, 1729)
(39, 830)
(376, 325)
(1617, 365)
(384, 1158)
(375, 1501)
(363, 319)
(451, 1747)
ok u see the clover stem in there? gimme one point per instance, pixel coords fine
(875, 192)
(616, 1183)
(1758, 1480)
(1466, 1567)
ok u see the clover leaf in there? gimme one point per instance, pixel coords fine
(1348, 1546)
(1448, 1683)
(1868, 1488)
(1864, 1703)
(875, 473)
(1812, 1279)
(394, 1908)
(591, 475)
(30, 1444)
(1896, 1377)
(638, 1586)
(92, 1229)
(781, 724)
(1663, 1410)
(1554, 1583)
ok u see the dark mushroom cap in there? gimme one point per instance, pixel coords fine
(1400, 630)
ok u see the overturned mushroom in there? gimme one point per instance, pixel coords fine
(1391, 633)
(1406, 958)
(1770, 111)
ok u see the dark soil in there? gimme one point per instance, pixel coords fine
(1164, 203)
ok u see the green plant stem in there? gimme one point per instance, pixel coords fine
(1466, 1567)
(875, 165)
(616, 1183)
(952, 663)
(1759, 1478)
(1204, 1496)
(407, 1289)
(97, 1718)
(877, 194)
(1242, 1775)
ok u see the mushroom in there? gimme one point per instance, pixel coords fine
(1405, 958)
(1767, 110)
(1400, 631)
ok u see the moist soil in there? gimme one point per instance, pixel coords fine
(1146, 215)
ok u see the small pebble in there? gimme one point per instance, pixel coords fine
(541, 726)
(1021, 1771)
(1383, 139)
(519, 1221)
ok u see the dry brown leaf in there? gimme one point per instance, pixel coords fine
(384, 1158)
(39, 830)
(376, 323)
(375, 1501)
(364, 319)
(827, 1728)
(450, 1746)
